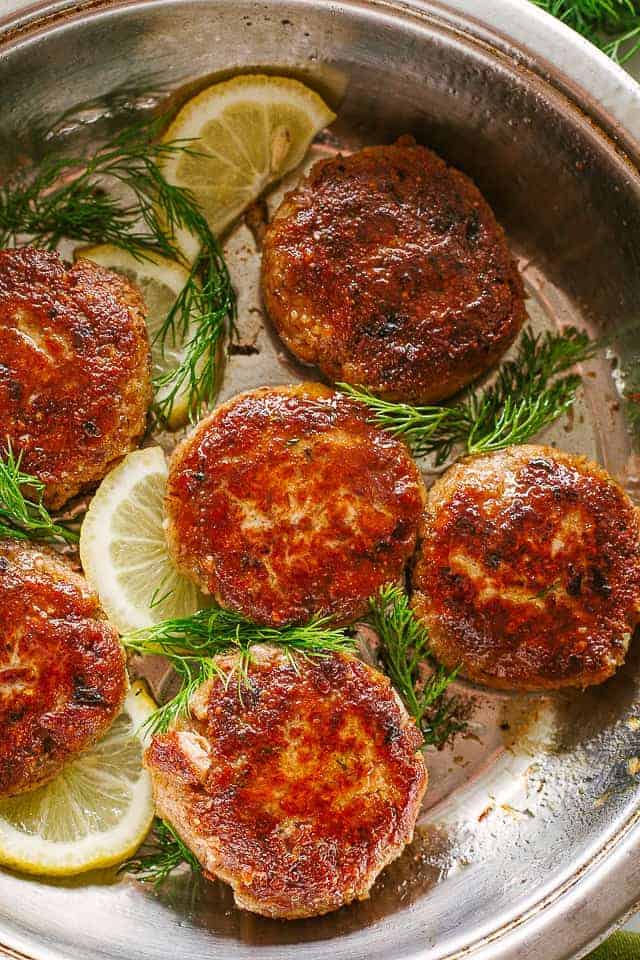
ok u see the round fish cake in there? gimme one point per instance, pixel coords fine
(75, 368)
(528, 575)
(286, 502)
(62, 668)
(298, 789)
(387, 268)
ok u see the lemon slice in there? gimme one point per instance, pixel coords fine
(123, 548)
(248, 132)
(95, 813)
(160, 281)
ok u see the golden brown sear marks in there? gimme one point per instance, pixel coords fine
(286, 502)
(529, 570)
(298, 789)
(387, 268)
(74, 368)
(62, 671)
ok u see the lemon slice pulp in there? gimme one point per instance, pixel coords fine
(160, 281)
(95, 813)
(247, 132)
(123, 548)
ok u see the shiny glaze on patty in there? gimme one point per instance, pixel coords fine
(74, 368)
(62, 670)
(387, 268)
(286, 502)
(298, 787)
(529, 570)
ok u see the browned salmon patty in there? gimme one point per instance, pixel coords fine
(387, 268)
(74, 368)
(529, 570)
(297, 789)
(286, 502)
(62, 669)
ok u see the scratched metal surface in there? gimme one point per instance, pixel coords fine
(531, 814)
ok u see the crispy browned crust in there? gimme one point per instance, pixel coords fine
(387, 268)
(62, 668)
(75, 368)
(297, 790)
(286, 502)
(529, 570)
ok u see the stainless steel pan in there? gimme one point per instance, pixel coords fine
(529, 845)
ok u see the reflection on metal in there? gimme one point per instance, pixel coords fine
(528, 846)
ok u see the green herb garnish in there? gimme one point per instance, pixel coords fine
(191, 643)
(529, 393)
(67, 197)
(209, 297)
(162, 853)
(404, 650)
(612, 25)
(20, 517)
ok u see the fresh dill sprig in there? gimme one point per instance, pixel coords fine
(66, 197)
(404, 650)
(20, 517)
(191, 643)
(162, 853)
(209, 297)
(528, 394)
(119, 195)
(612, 25)
(427, 428)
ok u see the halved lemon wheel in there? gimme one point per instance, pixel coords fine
(123, 548)
(95, 813)
(247, 133)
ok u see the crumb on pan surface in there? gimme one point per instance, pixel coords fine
(528, 573)
(286, 502)
(75, 380)
(62, 668)
(387, 268)
(298, 788)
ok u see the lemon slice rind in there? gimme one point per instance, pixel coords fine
(249, 132)
(123, 548)
(123, 783)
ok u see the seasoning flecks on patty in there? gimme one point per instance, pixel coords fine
(297, 789)
(529, 570)
(387, 268)
(286, 502)
(62, 668)
(74, 368)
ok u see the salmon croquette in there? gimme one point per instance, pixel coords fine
(387, 269)
(62, 668)
(74, 368)
(286, 503)
(529, 570)
(301, 815)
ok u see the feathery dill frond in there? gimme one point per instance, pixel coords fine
(612, 25)
(404, 649)
(528, 394)
(20, 517)
(119, 195)
(162, 853)
(191, 643)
